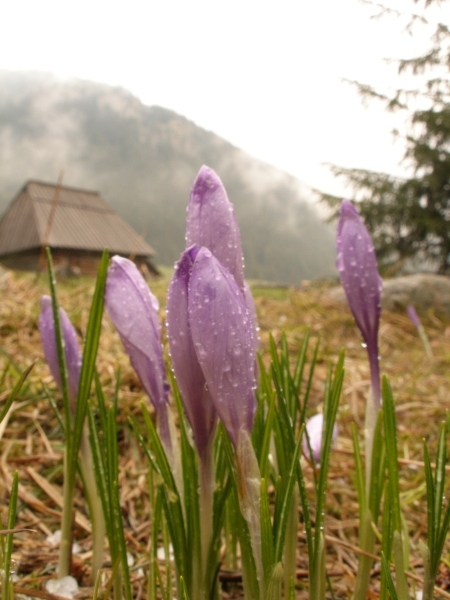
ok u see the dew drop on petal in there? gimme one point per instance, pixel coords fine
(200, 349)
(237, 349)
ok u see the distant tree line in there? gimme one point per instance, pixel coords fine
(409, 219)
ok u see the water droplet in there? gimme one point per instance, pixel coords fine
(200, 349)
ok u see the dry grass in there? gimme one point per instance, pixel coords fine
(30, 439)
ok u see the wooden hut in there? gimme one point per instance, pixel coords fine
(76, 224)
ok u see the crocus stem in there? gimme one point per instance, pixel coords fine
(164, 432)
(290, 544)
(369, 431)
(65, 548)
(319, 581)
(428, 579)
(167, 433)
(424, 339)
(366, 543)
(207, 484)
(249, 485)
(366, 533)
(95, 504)
(397, 551)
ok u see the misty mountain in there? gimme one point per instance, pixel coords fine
(143, 161)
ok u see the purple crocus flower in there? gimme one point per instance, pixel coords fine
(71, 347)
(314, 429)
(412, 314)
(134, 311)
(191, 381)
(211, 343)
(211, 222)
(362, 283)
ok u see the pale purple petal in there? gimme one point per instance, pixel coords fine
(221, 329)
(314, 429)
(362, 283)
(134, 311)
(72, 349)
(197, 400)
(412, 314)
(211, 223)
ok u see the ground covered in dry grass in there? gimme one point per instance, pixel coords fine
(31, 441)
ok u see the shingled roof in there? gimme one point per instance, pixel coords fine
(81, 220)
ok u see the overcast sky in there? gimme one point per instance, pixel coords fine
(267, 76)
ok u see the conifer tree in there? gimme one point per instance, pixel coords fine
(409, 219)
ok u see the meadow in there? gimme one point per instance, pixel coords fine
(31, 439)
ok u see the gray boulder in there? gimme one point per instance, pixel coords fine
(422, 290)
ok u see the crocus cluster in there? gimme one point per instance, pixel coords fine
(211, 326)
(362, 283)
(213, 339)
(211, 318)
(211, 343)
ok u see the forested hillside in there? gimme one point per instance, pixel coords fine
(143, 160)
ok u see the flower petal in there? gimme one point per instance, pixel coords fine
(197, 400)
(72, 349)
(221, 330)
(412, 314)
(211, 223)
(362, 283)
(314, 429)
(134, 311)
(358, 268)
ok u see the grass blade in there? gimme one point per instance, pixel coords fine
(14, 392)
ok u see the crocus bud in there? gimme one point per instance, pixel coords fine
(412, 314)
(211, 223)
(221, 332)
(314, 430)
(219, 326)
(134, 311)
(362, 283)
(196, 397)
(70, 343)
